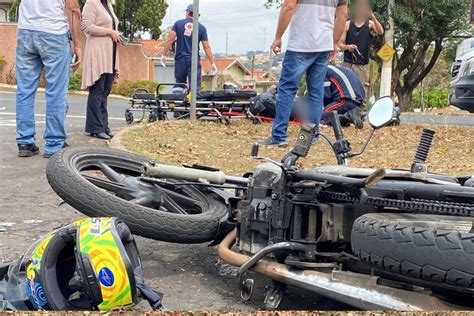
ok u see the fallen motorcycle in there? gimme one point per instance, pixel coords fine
(374, 239)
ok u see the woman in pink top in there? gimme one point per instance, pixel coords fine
(100, 64)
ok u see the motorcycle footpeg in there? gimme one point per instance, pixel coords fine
(246, 289)
(274, 296)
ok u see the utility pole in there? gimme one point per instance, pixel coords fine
(386, 78)
(264, 29)
(195, 61)
(171, 11)
(271, 61)
(226, 44)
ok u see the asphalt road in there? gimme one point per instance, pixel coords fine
(191, 277)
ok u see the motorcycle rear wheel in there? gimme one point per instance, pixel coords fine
(102, 182)
(432, 248)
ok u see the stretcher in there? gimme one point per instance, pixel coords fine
(220, 106)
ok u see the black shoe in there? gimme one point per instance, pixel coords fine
(47, 156)
(25, 150)
(101, 136)
(111, 135)
(270, 141)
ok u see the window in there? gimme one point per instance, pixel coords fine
(3, 15)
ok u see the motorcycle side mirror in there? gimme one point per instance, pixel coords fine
(382, 113)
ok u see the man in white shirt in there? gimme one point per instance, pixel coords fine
(46, 29)
(316, 28)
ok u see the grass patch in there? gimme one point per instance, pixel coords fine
(228, 147)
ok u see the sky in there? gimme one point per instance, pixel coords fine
(249, 25)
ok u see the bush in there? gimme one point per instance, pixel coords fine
(3, 62)
(126, 87)
(75, 82)
(436, 98)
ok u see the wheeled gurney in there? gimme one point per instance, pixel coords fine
(221, 106)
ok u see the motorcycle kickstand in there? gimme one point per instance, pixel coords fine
(274, 295)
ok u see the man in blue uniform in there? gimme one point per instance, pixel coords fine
(344, 93)
(182, 33)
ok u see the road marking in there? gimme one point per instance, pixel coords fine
(69, 116)
(10, 100)
(12, 123)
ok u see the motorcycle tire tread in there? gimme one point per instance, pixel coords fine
(433, 254)
(94, 202)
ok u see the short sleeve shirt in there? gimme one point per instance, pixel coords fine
(184, 37)
(46, 16)
(312, 26)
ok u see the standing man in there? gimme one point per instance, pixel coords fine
(357, 39)
(316, 28)
(46, 29)
(182, 33)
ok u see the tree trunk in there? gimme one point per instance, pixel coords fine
(405, 99)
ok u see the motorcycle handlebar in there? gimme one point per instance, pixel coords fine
(189, 174)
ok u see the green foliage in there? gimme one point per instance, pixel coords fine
(13, 11)
(434, 98)
(141, 16)
(135, 15)
(126, 87)
(75, 81)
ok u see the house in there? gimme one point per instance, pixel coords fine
(153, 49)
(228, 70)
(264, 80)
(5, 6)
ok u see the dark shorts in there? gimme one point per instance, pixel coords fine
(182, 72)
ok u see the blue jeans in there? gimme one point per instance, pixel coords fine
(182, 72)
(38, 51)
(295, 65)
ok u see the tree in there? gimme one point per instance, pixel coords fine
(422, 29)
(135, 16)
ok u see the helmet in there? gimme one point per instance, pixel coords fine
(92, 264)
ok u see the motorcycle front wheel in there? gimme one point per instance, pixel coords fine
(107, 183)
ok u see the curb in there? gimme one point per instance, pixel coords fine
(10, 88)
(116, 142)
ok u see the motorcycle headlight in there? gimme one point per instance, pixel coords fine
(468, 68)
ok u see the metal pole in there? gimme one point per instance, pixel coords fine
(195, 60)
(386, 78)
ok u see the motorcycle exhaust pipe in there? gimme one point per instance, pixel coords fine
(358, 290)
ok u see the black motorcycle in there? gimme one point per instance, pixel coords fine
(374, 239)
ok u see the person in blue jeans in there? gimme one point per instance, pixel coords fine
(316, 28)
(182, 33)
(44, 39)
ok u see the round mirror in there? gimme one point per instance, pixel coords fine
(381, 113)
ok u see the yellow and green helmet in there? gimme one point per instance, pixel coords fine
(92, 264)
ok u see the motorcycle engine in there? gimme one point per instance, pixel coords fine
(255, 212)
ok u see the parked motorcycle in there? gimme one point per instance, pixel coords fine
(373, 239)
